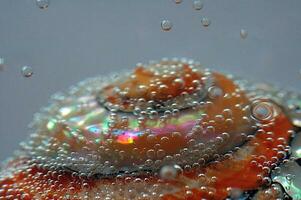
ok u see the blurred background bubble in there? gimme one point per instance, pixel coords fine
(66, 41)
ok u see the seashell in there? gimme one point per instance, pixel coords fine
(168, 130)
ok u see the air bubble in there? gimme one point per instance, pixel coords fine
(1, 64)
(235, 193)
(169, 172)
(215, 92)
(43, 4)
(178, 1)
(296, 146)
(263, 110)
(294, 104)
(205, 21)
(198, 4)
(27, 71)
(166, 25)
(243, 34)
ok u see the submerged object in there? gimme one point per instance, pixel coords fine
(168, 130)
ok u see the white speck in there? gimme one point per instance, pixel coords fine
(166, 25)
(205, 21)
(198, 4)
(43, 4)
(243, 34)
(27, 71)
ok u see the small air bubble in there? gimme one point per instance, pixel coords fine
(27, 71)
(166, 25)
(178, 1)
(215, 92)
(243, 34)
(235, 193)
(1, 64)
(262, 110)
(198, 4)
(43, 4)
(205, 21)
(168, 172)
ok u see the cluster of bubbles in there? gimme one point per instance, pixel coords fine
(140, 132)
(166, 24)
(81, 119)
(197, 4)
(274, 191)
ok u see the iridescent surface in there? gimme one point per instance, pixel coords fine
(288, 175)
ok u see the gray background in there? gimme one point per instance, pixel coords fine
(75, 39)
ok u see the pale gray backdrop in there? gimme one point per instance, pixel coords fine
(75, 39)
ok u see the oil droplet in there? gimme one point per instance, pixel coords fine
(178, 1)
(27, 71)
(1, 64)
(205, 21)
(43, 4)
(166, 25)
(198, 4)
(243, 34)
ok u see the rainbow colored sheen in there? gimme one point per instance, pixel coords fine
(127, 137)
(96, 125)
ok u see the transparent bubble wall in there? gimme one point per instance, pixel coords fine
(46, 46)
